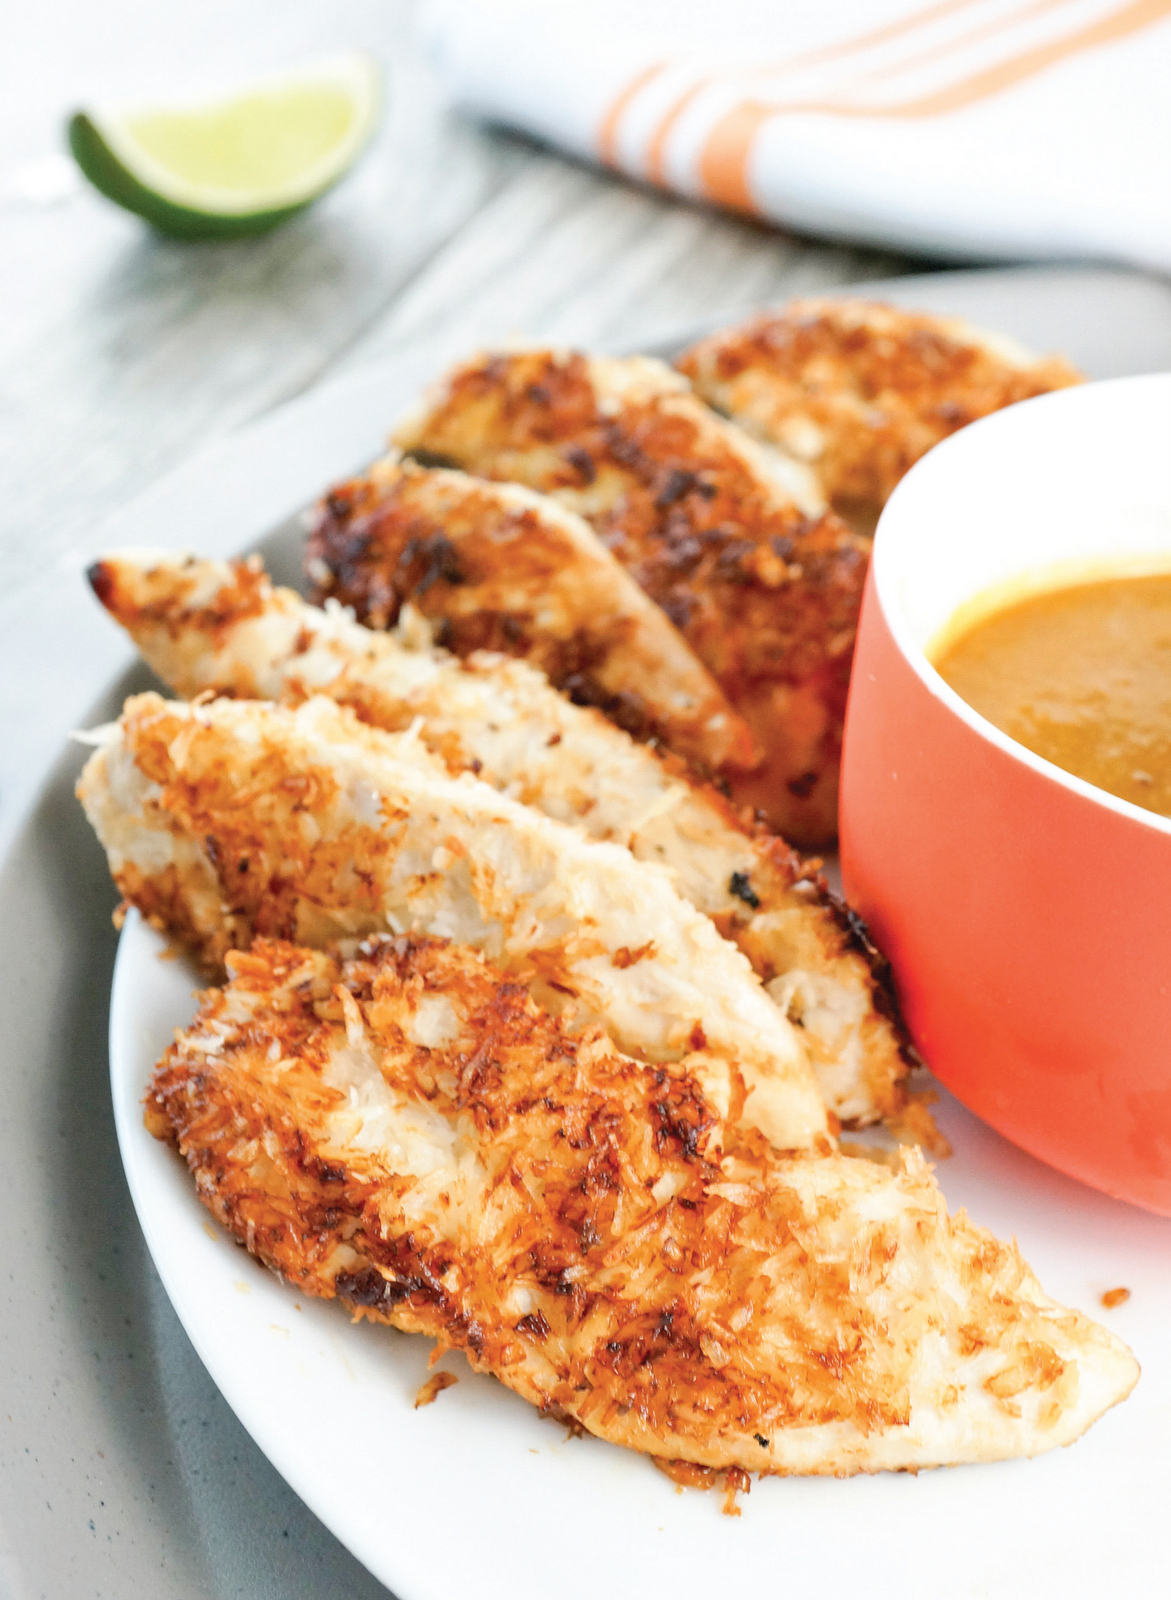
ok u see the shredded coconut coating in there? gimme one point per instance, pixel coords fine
(228, 820)
(728, 538)
(501, 568)
(222, 627)
(408, 1132)
(857, 391)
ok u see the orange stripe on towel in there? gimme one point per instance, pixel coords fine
(957, 45)
(608, 127)
(864, 41)
(723, 166)
(656, 149)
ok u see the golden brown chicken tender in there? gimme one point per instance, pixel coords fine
(229, 820)
(858, 391)
(500, 568)
(408, 1132)
(727, 538)
(222, 627)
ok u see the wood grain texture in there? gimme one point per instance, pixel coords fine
(122, 351)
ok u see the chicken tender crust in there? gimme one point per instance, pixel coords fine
(222, 627)
(503, 569)
(857, 391)
(731, 543)
(408, 1132)
(229, 820)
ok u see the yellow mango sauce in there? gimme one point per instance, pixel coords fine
(1080, 674)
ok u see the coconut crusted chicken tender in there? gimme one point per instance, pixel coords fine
(504, 569)
(730, 541)
(218, 626)
(857, 391)
(408, 1132)
(232, 819)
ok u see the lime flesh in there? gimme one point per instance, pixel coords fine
(238, 166)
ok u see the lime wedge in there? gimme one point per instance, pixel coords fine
(240, 164)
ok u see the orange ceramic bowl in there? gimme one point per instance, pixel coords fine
(1027, 914)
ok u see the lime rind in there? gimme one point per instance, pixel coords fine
(115, 162)
(112, 179)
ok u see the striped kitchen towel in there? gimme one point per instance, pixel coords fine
(968, 128)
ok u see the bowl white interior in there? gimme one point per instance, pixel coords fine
(1080, 475)
(1070, 480)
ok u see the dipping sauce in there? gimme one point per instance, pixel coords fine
(1080, 675)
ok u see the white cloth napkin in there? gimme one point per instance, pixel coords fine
(966, 128)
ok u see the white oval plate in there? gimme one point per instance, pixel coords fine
(474, 1494)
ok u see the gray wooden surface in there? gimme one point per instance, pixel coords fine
(121, 354)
